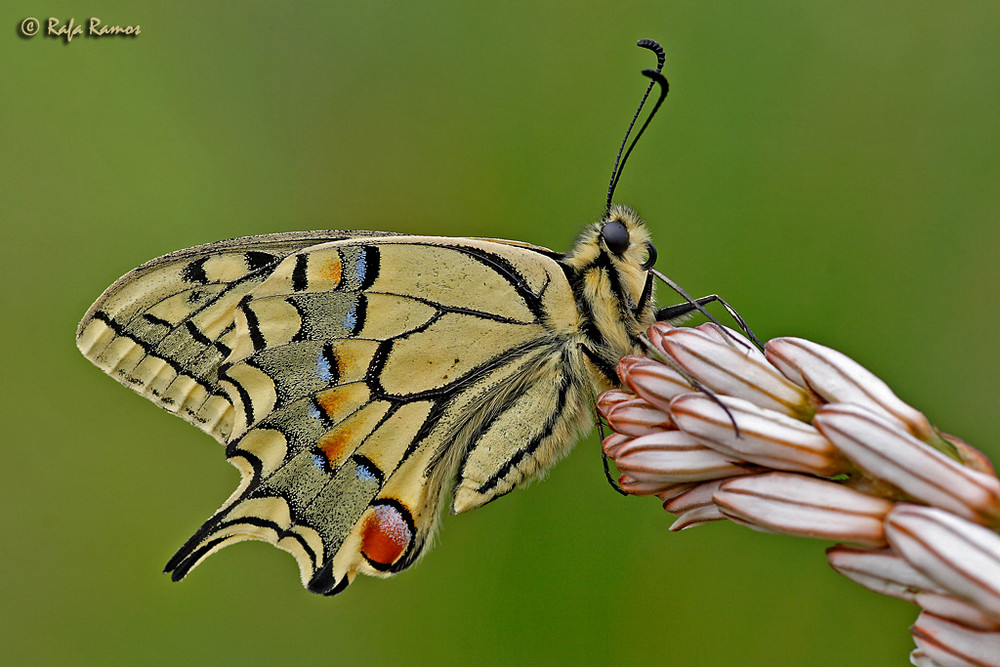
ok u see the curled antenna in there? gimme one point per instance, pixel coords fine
(656, 77)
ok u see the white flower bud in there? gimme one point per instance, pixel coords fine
(804, 506)
(961, 557)
(727, 369)
(765, 437)
(884, 450)
(674, 456)
(644, 488)
(731, 337)
(612, 442)
(881, 571)
(695, 506)
(652, 380)
(611, 398)
(839, 379)
(637, 417)
(952, 644)
(887, 573)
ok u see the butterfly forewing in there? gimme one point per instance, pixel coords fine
(164, 328)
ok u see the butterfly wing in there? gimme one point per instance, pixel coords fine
(364, 375)
(164, 328)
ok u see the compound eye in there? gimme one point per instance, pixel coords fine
(615, 236)
(650, 256)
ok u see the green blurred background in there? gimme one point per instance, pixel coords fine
(831, 168)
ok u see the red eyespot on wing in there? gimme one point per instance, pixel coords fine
(386, 535)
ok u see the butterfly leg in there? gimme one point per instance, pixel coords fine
(604, 455)
(680, 312)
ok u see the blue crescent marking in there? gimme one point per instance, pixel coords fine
(364, 474)
(319, 462)
(323, 369)
(351, 318)
(361, 267)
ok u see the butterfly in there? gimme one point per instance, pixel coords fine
(357, 378)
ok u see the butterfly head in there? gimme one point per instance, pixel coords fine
(620, 240)
(612, 259)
